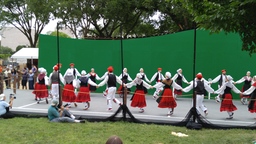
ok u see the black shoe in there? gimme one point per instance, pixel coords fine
(82, 121)
(37, 102)
(78, 117)
(46, 101)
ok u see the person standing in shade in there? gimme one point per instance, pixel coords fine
(179, 78)
(111, 79)
(93, 76)
(247, 84)
(31, 80)
(24, 80)
(200, 87)
(225, 92)
(158, 77)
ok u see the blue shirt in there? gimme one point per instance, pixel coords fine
(53, 113)
(3, 105)
(31, 77)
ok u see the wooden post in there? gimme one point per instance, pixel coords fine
(9, 80)
(125, 96)
(60, 95)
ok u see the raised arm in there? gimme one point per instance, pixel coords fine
(235, 89)
(97, 77)
(208, 88)
(176, 86)
(118, 80)
(77, 72)
(130, 84)
(175, 77)
(153, 77)
(221, 89)
(104, 81)
(215, 79)
(129, 78)
(146, 85)
(249, 91)
(91, 82)
(184, 79)
(188, 88)
(158, 85)
(145, 76)
(240, 81)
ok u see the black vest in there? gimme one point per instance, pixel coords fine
(179, 80)
(166, 86)
(111, 80)
(74, 72)
(220, 80)
(142, 76)
(93, 78)
(41, 81)
(227, 90)
(84, 81)
(199, 88)
(157, 77)
(140, 86)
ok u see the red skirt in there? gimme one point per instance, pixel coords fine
(83, 95)
(244, 96)
(167, 99)
(177, 92)
(139, 99)
(120, 90)
(40, 91)
(227, 104)
(68, 94)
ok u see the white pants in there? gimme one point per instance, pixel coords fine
(111, 96)
(158, 90)
(55, 90)
(199, 103)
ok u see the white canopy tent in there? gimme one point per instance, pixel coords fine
(25, 53)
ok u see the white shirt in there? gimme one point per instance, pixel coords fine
(106, 80)
(250, 90)
(60, 76)
(134, 83)
(206, 86)
(71, 70)
(160, 76)
(125, 74)
(176, 76)
(227, 84)
(174, 85)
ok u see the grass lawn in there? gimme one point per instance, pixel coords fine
(41, 131)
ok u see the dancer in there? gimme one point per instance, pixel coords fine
(72, 70)
(93, 76)
(125, 77)
(158, 77)
(144, 77)
(225, 91)
(221, 80)
(200, 86)
(247, 84)
(251, 91)
(68, 94)
(111, 80)
(54, 79)
(178, 78)
(166, 100)
(41, 90)
(138, 98)
(83, 95)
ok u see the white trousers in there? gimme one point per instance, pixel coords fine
(199, 103)
(55, 90)
(111, 96)
(158, 90)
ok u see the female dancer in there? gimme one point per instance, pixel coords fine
(251, 91)
(83, 95)
(68, 94)
(41, 90)
(247, 84)
(93, 76)
(138, 98)
(178, 78)
(225, 91)
(125, 77)
(166, 100)
(144, 77)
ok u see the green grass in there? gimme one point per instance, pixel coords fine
(41, 131)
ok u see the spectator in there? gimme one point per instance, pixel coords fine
(114, 140)
(31, 80)
(7, 73)
(61, 115)
(5, 107)
(24, 78)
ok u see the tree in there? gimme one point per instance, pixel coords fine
(229, 16)
(26, 15)
(61, 34)
(20, 47)
(5, 52)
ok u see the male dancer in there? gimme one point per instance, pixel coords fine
(111, 79)
(158, 77)
(53, 80)
(221, 79)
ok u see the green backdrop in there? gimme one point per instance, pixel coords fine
(214, 52)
